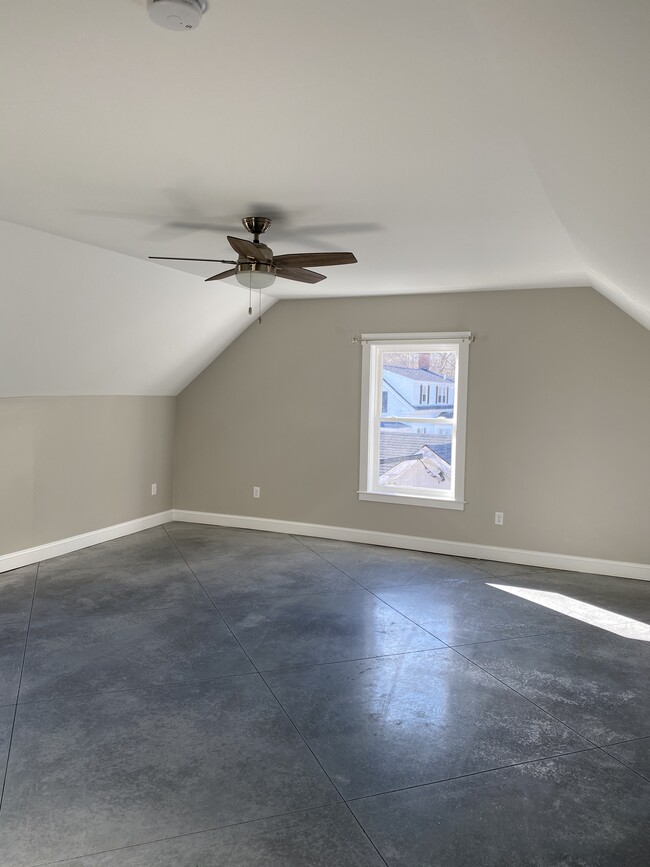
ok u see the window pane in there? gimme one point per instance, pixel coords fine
(418, 383)
(415, 455)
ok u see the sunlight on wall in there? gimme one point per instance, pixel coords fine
(591, 614)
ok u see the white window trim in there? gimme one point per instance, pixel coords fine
(368, 485)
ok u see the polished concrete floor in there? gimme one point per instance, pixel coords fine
(196, 696)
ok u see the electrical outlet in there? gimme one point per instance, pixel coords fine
(256, 493)
(498, 518)
(154, 489)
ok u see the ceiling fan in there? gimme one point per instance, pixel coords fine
(256, 267)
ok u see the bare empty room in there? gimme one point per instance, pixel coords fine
(324, 425)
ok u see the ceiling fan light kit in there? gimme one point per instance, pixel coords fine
(256, 267)
(255, 275)
(176, 14)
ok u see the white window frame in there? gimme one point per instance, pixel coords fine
(371, 388)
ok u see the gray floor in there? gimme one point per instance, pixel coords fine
(196, 696)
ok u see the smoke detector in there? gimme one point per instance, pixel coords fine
(176, 14)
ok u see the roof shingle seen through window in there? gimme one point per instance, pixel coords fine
(417, 373)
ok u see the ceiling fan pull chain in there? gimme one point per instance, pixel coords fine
(250, 294)
(259, 317)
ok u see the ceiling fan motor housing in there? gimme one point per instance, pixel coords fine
(176, 14)
(256, 225)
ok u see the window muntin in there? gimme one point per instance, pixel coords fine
(413, 429)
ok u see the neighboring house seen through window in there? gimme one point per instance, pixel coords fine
(413, 418)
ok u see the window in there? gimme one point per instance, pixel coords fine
(412, 451)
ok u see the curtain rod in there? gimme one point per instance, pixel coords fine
(441, 336)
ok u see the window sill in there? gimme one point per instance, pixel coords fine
(408, 500)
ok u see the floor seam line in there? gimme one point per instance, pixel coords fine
(213, 603)
(525, 697)
(176, 684)
(514, 638)
(475, 773)
(626, 741)
(625, 765)
(284, 710)
(188, 834)
(38, 620)
(320, 765)
(379, 590)
(342, 661)
(20, 680)
(383, 601)
(489, 673)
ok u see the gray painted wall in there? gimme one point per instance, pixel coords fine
(69, 465)
(558, 421)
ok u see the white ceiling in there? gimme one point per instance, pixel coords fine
(463, 144)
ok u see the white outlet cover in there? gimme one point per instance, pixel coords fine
(154, 489)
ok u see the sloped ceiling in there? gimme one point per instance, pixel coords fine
(80, 320)
(577, 74)
(451, 144)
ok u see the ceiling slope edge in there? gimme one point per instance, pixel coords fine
(82, 320)
(576, 77)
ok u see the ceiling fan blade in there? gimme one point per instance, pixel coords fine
(230, 273)
(180, 259)
(247, 248)
(302, 275)
(307, 260)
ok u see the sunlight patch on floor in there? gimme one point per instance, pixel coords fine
(591, 614)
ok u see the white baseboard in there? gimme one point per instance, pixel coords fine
(548, 560)
(619, 568)
(73, 543)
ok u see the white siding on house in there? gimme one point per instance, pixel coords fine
(407, 395)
